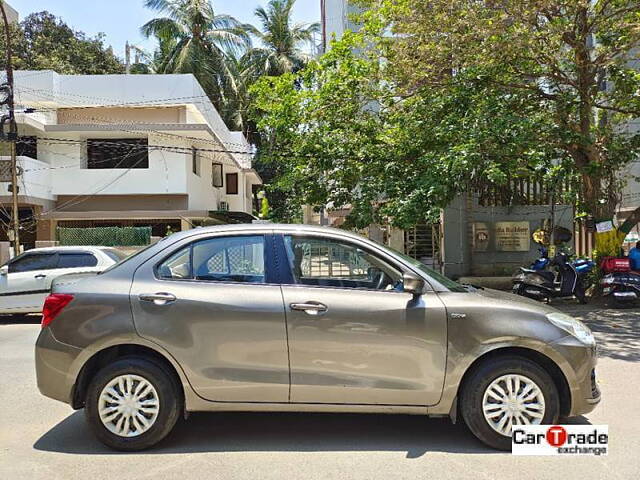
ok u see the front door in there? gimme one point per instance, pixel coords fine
(212, 304)
(27, 282)
(354, 336)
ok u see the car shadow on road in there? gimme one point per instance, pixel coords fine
(284, 432)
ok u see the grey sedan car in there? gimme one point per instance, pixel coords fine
(299, 318)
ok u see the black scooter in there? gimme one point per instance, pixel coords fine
(621, 289)
(564, 282)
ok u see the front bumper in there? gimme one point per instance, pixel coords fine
(53, 364)
(580, 373)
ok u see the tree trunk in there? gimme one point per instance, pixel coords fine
(630, 222)
(609, 244)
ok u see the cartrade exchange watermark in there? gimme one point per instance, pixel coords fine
(560, 440)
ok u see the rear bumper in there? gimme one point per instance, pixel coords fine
(53, 362)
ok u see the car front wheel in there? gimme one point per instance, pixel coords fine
(132, 404)
(505, 392)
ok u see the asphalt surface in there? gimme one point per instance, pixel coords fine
(45, 439)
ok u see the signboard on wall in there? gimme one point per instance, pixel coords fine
(512, 236)
(481, 237)
(603, 227)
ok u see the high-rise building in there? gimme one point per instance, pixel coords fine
(336, 19)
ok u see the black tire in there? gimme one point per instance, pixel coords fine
(170, 403)
(613, 302)
(580, 293)
(479, 380)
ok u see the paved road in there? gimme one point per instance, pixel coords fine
(44, 439)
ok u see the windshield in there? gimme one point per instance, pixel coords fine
(438, 277)
(115, 255)
(127, 258)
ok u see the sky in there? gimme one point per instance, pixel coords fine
(120, 20)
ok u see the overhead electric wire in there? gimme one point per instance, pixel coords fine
(86, 197)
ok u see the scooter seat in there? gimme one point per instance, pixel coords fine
(546, 274)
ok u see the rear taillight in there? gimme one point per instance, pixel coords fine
(53, 305)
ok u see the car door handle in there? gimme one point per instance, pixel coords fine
(40, 275)
(310, 308)
(160, 298)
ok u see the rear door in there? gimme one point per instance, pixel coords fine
(214, 304)
(27, 283)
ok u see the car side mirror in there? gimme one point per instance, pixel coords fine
(413, 283)
(4, 269)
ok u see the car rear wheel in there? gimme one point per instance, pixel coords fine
(505, 392)
(132, 404)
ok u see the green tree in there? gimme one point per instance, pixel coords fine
(235, 96)
(573, 58)
(282, 49)
(193, 39)
(338, 134)
(43, 41)
(281, 40)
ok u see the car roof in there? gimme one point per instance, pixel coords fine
(261, 227)
(65, 248)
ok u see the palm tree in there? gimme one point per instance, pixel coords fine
(281, 40)
(235, 94)
(193, 39)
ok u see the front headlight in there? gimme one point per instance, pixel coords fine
(572, 326)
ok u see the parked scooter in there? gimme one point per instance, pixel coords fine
(620, 285)
(568, 279)
(542, 262)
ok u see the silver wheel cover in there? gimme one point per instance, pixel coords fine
(128, 405)
(512, 400)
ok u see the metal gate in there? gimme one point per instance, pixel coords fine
(422, 242)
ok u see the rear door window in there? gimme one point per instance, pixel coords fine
(76, 260)
(220, 259)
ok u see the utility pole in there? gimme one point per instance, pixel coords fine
(552, 234)
(12, 137)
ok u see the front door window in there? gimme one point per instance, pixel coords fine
(32, 262)
(330, 263)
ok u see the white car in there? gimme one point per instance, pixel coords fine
(25, 280)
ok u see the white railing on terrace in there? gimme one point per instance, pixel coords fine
(46, 91)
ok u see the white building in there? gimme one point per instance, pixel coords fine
(631, 193)
(12, 13)
(336, 19)
(141, 150)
